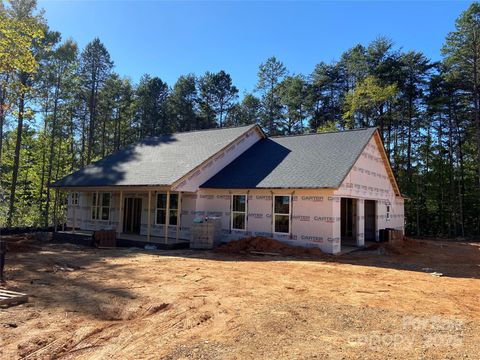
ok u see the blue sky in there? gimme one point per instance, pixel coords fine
(167, 39)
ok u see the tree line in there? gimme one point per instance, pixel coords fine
(62, 108)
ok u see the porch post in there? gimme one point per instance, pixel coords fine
(149, 215)
(64, 216)
(167, 217)
(360, 222)
(73, 211)
(336, 225)
(179, 215)
(96, 210)
(120, 214)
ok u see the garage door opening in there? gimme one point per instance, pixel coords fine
(348, 217)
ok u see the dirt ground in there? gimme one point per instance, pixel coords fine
(181, 304)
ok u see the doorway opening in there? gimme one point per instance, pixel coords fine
(348, 221)
(132, 215)
(370, 220)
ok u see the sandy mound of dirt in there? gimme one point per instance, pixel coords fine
(406, 246)
(262, 244)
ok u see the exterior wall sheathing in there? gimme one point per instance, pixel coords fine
(315, 213)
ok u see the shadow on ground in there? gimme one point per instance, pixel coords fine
(66, 274)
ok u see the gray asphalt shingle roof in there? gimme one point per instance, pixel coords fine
(305, 161)
(154, 161)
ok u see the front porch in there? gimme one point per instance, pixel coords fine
(84, 237)
(139, 216)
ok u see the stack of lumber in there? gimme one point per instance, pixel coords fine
(9, 298)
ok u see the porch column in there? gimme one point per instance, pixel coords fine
(335, 240)
(360, 222)
(149, 215)
(179, 214)
(377, 220)
(167, 217)
(120, 213)
(64, 215)
(73, 211)
(96, 210)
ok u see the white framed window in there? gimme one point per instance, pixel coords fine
(101, 206)
(388, 213)
(282, 205)
(161, 209)
(173, 211)
(238, 215)
(74, 199)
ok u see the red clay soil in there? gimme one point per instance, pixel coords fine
(267, 245)
(406, 246)
(185, 304)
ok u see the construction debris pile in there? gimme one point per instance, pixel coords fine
(259, 245)
(405, 246)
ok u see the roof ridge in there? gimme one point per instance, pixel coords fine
(324, 133)
(203, 130)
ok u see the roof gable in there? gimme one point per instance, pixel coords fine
(158, 160)
(306, 161)
(370, 172)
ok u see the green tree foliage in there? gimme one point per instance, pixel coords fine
(18, 32)
(151, 105)
(325, 95)
(293, 93)
(270, 75)
(462, 56)
(63, 107)
(95, 68)
(217, 96)
(249, 111)
(183, 104)
(367, 104)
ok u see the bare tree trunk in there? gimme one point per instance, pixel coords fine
(409, 137)
(441, 186)
(16, 158)
(453, 195)
(82, 148)
(42, 178)
(72, 142)
(476, 100)
(3, 98)
(104, 136)
(91, 126)
(52, 153)
(461, 182)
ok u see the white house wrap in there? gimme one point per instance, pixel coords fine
(321, 190)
